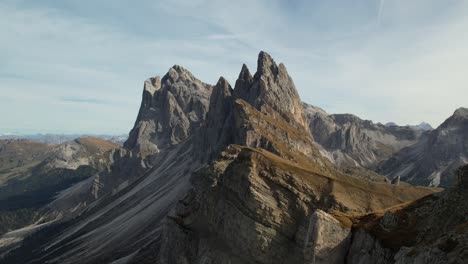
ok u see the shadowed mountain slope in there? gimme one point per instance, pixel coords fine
(432, 160)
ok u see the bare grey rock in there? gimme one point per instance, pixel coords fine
(432, 160)
(327, 240)
(271, 88)
(218, 131)
(351, 141)
(171, 109)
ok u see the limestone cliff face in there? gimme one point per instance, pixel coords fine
(252, 206)
(271, 88)
(171, 109)
(432, 160)
(218, 130)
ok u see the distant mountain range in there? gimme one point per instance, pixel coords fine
(61, 138)
(422, 125)
(417, 154)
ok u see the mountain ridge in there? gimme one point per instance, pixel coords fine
(435, 156)
(212, 174)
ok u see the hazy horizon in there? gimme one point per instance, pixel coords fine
(91, 133)
(78, 67)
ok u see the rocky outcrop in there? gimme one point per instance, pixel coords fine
(171, 109)
(218, 131)
(256, 112)
(327, 240)
(81, 152)
(365, 248)
(251, 206)
(432, 160)
(270, 89)
(348, 140)
(429, 230)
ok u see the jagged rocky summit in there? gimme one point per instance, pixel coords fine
(215, 174)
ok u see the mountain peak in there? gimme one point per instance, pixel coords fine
(462, 112)
(179, 68)
(222, 82)
(424, 126)
(266, 63)
(177, 72)
(271, 88)
(459, 117)
(171, 108)
(245, 74)
(221, 91)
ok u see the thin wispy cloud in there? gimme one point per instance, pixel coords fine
(381, 8)
(84, 100)
(68, 58)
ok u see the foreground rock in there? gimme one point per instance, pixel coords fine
(430, 230)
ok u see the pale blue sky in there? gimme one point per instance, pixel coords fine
(78, 66)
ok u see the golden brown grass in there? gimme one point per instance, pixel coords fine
(360, 196)
(94, 145)
(313, 178)
(19, 156)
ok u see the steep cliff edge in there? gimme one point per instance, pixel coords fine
(171, 109)
(252, 206)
